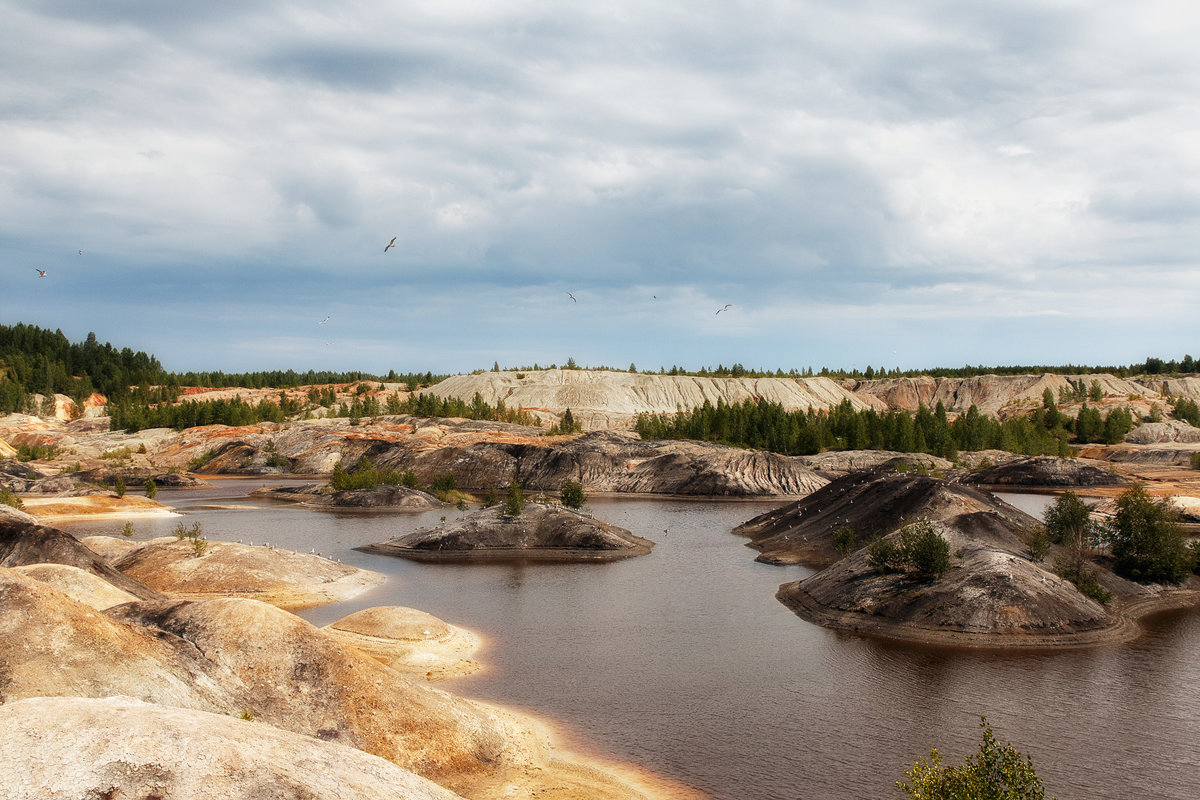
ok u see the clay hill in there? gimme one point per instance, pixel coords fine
(606, 399)
(232, 697)
(1045, 471)
(485, 455)
(871, 503)
(993, 594)
(540, 532)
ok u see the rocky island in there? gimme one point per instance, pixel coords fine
(540, 532)
(991, 591)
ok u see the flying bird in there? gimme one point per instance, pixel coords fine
(41, 272)
(80, 252)
(726, 308)
(573, 300)
(322, 322)
(390, 244)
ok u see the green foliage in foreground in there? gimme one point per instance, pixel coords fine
(996, 772)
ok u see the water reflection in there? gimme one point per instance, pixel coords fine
(684, 662)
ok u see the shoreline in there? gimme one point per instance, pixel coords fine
(93, 506)
(1125, 626)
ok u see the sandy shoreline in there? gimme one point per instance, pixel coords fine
(94, 506)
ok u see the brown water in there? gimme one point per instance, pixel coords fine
(683, 662)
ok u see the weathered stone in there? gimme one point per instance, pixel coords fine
(540, 532)
(230, 569)
(121, 747)
(1045, 471)
(390, 498)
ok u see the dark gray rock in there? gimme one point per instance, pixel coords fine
(541, 532)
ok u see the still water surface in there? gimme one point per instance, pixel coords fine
(683, 662)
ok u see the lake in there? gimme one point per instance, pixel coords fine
(683, 661)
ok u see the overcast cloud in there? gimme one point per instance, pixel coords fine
(917, 184)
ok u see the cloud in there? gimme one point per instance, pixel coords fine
(899, 167)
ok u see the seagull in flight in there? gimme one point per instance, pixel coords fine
(726, 308)
(80, 252)
(573, 300)
(390, 244)
(41, 272)
(322, 322)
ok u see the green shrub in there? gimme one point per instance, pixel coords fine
(35, 452)
(444, 482)
(117, 455)
(9, 498)
(995, 773)
(515, 502)
(884, 556)
(194, 532)
(1036, 541)
(844, 540)
(119, 487)
(921, 551)
(202, 459)
(1069, 521)
(127, 530)
(1195, 460)
(151, 488)
(926, 552)
(408, 479)
(490, 497)
(1147, 542)
(572, 494)
(1085, 580)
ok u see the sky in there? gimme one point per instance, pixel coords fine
(918, 184)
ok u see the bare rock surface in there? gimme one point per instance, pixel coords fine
(77, 584)
(541, 532)
(69, 747)
(410, 641)
(1042, 471)
(1172, 430)
(230, 569)
(24, 542)
(993, 596)
(236, 656)
(610, 461)
(383, 498)
(839, 463)
(872, 502)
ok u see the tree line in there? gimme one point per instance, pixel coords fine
(34, 360)
(1151, 366)
(130, 416)
(765, 425)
